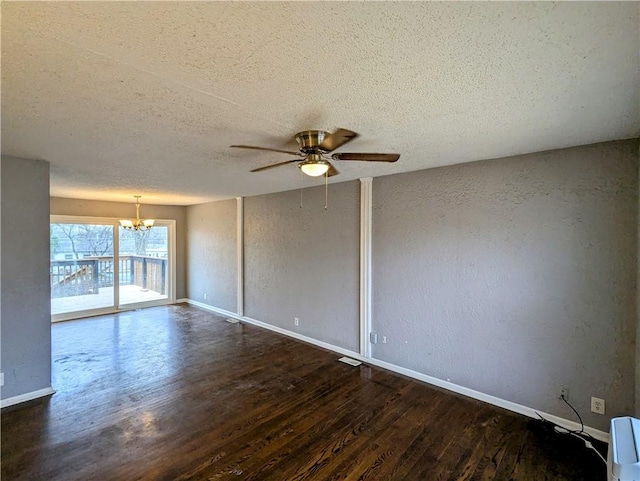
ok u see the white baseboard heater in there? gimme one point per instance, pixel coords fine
(623, 460)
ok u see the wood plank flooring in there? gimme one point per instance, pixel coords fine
(177, 393)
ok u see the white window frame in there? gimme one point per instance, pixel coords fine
(171, 278)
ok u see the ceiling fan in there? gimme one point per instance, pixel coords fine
(315, 145)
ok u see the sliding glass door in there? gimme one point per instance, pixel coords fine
(144, 264)
(81, 267)
(97, 267)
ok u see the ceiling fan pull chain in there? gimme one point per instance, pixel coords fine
(301, 189)
(326, 189)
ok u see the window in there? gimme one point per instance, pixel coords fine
(96, 266)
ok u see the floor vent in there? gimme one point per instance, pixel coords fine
(348, 360)
(232, 320)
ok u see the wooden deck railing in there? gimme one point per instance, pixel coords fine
(88, 275)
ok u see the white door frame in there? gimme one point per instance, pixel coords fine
(171, 278)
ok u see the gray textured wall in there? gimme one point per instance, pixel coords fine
(515, 276)
(25, 303)
(212, 254)
(125, 210)
(305, 262)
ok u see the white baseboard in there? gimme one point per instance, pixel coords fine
(502, 403)
(300, 337)
(215, 310)
(29, 396)
(270, 327)
(489, 399)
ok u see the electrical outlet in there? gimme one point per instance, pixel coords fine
(384, 339)
(296, 321)
(1, 379)
(597, 405)
(564, 393)
(205, 296)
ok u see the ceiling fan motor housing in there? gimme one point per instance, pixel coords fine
(309, 141)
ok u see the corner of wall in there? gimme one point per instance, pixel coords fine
(26, 314)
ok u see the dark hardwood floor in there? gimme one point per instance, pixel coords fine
(178, 393)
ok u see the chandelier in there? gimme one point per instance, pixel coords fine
(137, 224)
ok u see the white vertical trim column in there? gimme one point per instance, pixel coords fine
(240, 254)
(173, 242)
(365, 265)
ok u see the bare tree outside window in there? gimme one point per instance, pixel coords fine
(67, 235)
(143, 242)
(98, 238)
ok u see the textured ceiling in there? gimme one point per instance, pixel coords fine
(146, 97)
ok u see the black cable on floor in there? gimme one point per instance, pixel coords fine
(577, 414)
(584, 436)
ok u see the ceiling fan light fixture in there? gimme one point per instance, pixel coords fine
(314, 168)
